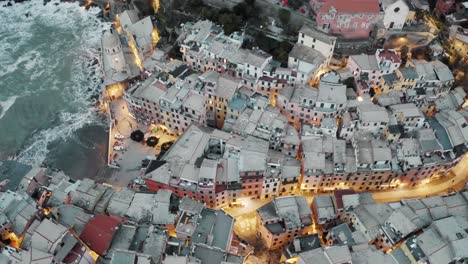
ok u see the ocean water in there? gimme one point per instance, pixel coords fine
(49, 73)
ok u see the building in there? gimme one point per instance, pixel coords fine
(116, 68)
(370, 68)
(409, 116)
(220, 90)
(282, 220)
(140, 33)
(309, 105)
(315, 39)
(395, 13)
(299, 245)
(327, 255)
(269, 125)
(323, 209)
(306, 62)
(158, 101)
(218, 168)
(459, 39)
(207, 233)
(349, 19)
(435, 78)
(17, 211)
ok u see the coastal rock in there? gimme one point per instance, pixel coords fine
(9, 4)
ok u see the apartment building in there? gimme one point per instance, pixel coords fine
(218, 168)
(435, 78)
(270, 125)
(302, 103)
(175, 103)
(402, 79)
(220, 90)
(315, 39)
(427, 230)
(369, 69)
(282, 220)
(409, 116)
(323, 210)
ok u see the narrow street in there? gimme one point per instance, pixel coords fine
(246, 217)
(456, 180)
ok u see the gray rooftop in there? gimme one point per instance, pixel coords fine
(306, 54)
(317, 34)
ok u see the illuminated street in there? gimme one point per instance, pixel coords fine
(455, 180)
(398, 39)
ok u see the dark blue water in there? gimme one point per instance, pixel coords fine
(48, 74)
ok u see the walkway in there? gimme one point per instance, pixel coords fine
(454, 180)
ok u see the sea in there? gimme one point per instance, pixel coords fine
(50, 79)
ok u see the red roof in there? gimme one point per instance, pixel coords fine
(355, 6)
(99, 231)
(339, 197)
(78, 254)
(389, 55)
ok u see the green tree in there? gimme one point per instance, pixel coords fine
(295, 4)
(244, 11)
(230, 22)
(284, 16)
(208, 13)
(282, 52)
(404, 54)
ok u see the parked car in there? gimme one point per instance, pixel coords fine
(119, 148)
(166, 146)
(119, 136)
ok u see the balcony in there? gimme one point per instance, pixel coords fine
(206, 185)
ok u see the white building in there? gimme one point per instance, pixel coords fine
(312, 38)
(395, 13)
(305, 61)
(115, 66)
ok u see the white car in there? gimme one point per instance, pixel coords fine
(119, 136)
(119, 148)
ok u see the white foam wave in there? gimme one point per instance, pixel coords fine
(68, 16)
(6, 105)
(36, 152)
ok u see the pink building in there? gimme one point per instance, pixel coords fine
(351, 19)
(444, 7)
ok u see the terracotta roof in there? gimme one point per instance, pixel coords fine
(357, 6)
(389, 55)
(99, 231)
